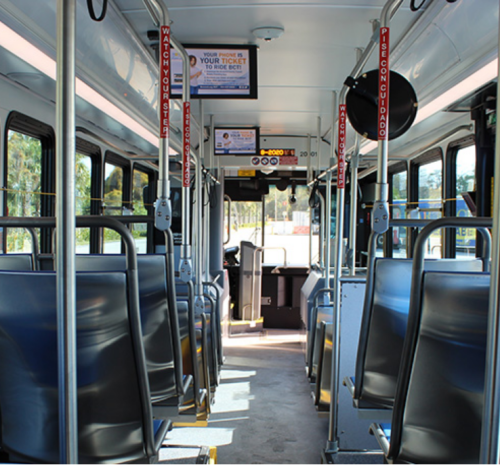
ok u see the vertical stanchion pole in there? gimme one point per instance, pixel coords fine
(163, 208)
(199, 302)
(65, 227)
(490, 448)
(333, 436)
(322, 229)
(186, 266)
(328, 203)
(380, 215)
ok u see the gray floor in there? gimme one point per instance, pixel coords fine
(263, 411)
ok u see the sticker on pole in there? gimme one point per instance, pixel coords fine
(186, 136)
(164, 84)
(383, 85)
(341, 147)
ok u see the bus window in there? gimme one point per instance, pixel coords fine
(83, 171)
(465, 241)
(430, 188)
(287, 225)
(113, 203)
(140, 180)
(24, 185)
(399, 201)
(246, 223)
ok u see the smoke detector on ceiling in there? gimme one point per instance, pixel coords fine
(268, 33)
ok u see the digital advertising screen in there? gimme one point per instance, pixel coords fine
(217, 71)
(236, 141)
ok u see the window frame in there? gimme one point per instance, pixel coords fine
(96, 187)
(451, 189)
(432, 155)
(31, 127)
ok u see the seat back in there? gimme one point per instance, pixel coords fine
(383, 326)
(155, 318)
(16, 262)
(111, 414)
(440, 408)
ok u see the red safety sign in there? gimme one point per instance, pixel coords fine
(186, 152)
(287, 160)
(164, 88)
(341, 147)
(383, 85)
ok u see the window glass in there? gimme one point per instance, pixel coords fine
(113, 204)
(287, 227)
(246, 223)
(24, 178)
(465, 172)
(139, 230)
(430, 188)
(399, 201)
(83, 171)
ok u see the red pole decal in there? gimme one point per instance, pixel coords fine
(187, 144)
(383, 85)
(341, 147)
(164, 89)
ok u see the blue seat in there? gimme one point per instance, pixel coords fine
(157, 332)
(437, 415)
(110, 360)
(16, 262)
(383, 327)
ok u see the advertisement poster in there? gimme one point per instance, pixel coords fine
(235, 141)
(217, 72)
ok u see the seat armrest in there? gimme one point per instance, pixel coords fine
(160, 428)
(188, 379)
(348, 382)
(382, 433)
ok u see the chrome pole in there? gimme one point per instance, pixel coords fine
(186, 265)
(206, 229)
(490, 448)
(318, 144)
(322, 231)
(332, 445)
(354, 207)
(163, 207)
(199, 301)
(354, 194)
(309, 177)
(380, 215)
(328, 204)
(65, 228)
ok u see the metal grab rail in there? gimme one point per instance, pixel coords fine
(229, 201)
(133, 296)
(323, 290)
(482, 225)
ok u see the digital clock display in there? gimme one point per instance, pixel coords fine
(277, 152)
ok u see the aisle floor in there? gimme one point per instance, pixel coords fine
(263, 411)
